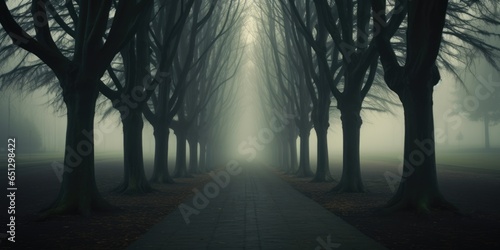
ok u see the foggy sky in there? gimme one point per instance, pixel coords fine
(40, 126)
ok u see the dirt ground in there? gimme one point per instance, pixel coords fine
(475, 193)
(112, 230)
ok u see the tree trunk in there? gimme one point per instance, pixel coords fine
(78, 192)
(285, 154)
(209, 161)
(203, 160)
(321, 121)
(304, 165)
(160, 169)
(134, 178)
(418, 188)
(323, 166)
(180, 163)
(350, 181)
(193, 157)
(486, 130)
(292, 139)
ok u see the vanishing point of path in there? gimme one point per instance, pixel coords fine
(256, 210)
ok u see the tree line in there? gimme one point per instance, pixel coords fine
(350, 56)
(173, 63)
(169, 62)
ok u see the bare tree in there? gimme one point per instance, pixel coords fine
(79, 77)
(485, 108)
(134, 84)
(426, 51)
(414, 83)
(341, 55)
(205, 33)
(166, 33)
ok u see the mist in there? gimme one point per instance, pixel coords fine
(250, 124)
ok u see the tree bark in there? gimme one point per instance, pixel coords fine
(203, 157)
(323, 166)
(414, 83)
(209, 158)
(160, 169)
(134, 177)
(180, 163)
(321, 124)
(193, 156)
(350, 181)
(78, 192)
(285, 154)
(304, 165)
(292, 139)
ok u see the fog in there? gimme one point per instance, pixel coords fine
(39, 127)
(250, 124)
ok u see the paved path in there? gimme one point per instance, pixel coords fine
(257, 210)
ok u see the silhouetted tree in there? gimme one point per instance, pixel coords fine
(316, 79)
(414, 83)
(217, 65)
(281, 85)
(206, 33)
(127, 100)
(478, 100)
(304, 95)
(166, 34)
(79, 74)
(344, 55)
(131, 96)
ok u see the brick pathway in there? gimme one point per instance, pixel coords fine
(256, 210)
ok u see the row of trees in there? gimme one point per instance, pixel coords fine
(169, 62)
(359, 55)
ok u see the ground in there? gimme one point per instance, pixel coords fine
(107, 230)
(474, 190)
(38, 185)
